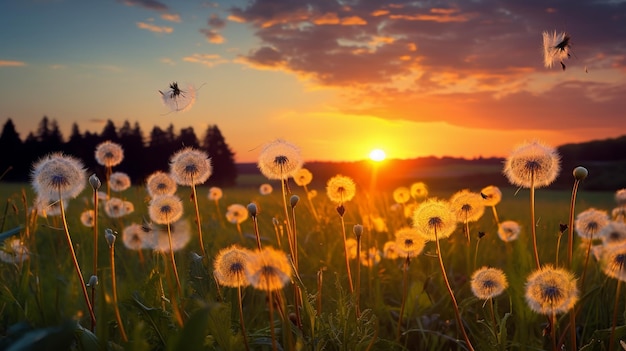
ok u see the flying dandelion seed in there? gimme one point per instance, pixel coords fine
(178, 100)
(556, 48)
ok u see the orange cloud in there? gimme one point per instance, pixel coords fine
(154, 28)
(8, 63)
(435, 15)
(209, 60)
(327, 18)
(353, 20)
(172, 17)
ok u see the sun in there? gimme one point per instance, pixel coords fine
(377, 155)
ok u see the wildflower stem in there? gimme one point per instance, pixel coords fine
(320, 276)
(570, 254)
(255, 224)
(270, 295)
(493, 320)
(533, 226)
(310, 202)
(284, 192)
(173, 261)
(118, 317)
(76, 266)
(345, 249)
(357, 295)
(198, 221)
(495, 215)
(243, 326)
(95, 248)
(454, 303)
(553, 331)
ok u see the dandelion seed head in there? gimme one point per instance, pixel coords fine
(556, 48)
(590, 222)
(13, 251)
(215, 193)
(109, 154)
(265, 189)
(419, 191)
(87, 218)
(487, 283)
(409, 242)
(58, 176)
(268, 269)
(340, 189)
(551, 290)
(177, 99)
(119, 181)
(620, 197)
(114, 207)
(236, 213)
(230, 266)
(370, 258)
(160, 183)
(190, 166)
(613, 233)
(532, 164)
(136, 238)
(303, 177)
(468, 206)
(165, 209)
(180, 232)
(434, 219)
(491, 195)
(401, 195)
(614, 261)
(390, 250)
(279, 159)
(509, 231)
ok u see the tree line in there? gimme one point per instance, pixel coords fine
(142, 156)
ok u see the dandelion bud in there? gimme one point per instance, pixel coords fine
(195, 257)
(580, 173)
(275, 221)
(109, 237)
(95, 182)
(93, 281)
(293, 200)
(252, 209)
(341, 210)
(358, 230)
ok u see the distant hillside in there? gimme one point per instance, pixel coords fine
(605, 160)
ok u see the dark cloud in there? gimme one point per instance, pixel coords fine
(443, 46)
(216, 22)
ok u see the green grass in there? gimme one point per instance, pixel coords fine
(40, 298)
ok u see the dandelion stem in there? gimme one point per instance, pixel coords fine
(198, 221)
(454, 303)
(255, 224)
(75, 261)
(553, 331)
(243, 326)
(118, 317)
(271, 310)
(357, 295)
(95, 248)
(172, 260)
(345, 249)
(495, 215)
(570, 254)
(533, 226)
(310, 202)
(320, 274)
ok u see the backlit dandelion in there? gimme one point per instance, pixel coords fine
(614, 261)
(109, 154)
(236, 213)
(619, 214)
(509, 231)
(268, 269)
(613, 233)
(215, 193)
(620, 197)
(57, 176)
(165, 209)
(487, 283)
(419, 191)
(129, 207)
(491, 195)
(434, 219)
(551, 290)
(265, 189)
(340, 189)
(556, 48)
(279, 159)
(160, 183)
(532, 164)
(401, 195)
(190, 166)
(119, 181)
(303, 177)
(230, 265)
(87, 218)
(589, 222)
(48, 208)
(468, 206)
(135, 237)
(409, 243)
(13, 251)
(114, 207)
(351, 248)
(177, 99)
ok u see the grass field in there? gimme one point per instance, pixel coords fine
(41, 301)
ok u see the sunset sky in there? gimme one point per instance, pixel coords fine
(335, 77)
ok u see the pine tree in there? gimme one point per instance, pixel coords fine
(222, 158)
(11, 161)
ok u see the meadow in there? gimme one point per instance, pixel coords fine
(387, 302)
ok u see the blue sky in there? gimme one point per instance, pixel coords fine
(337, 78)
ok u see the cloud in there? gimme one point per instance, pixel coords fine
(11, 63)
(212, 36)
(442, 60)
(171, 17)
(147, 4)
(209, 60)
(154, 28)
